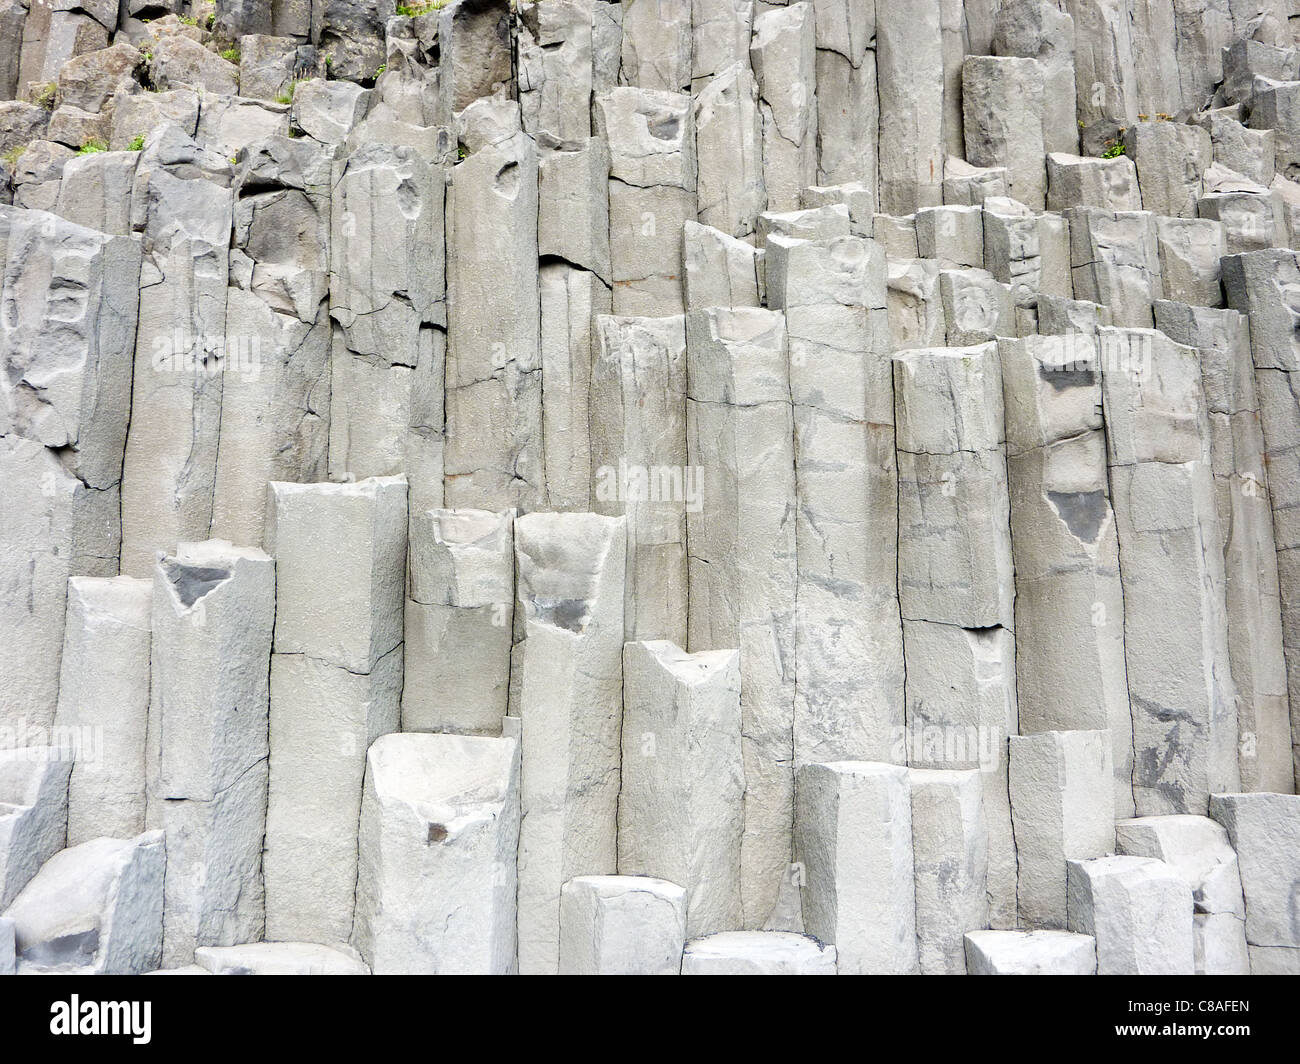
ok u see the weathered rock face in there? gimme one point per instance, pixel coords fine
(704, 486)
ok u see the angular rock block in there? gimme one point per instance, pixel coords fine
(1138, 910)
(742, 566)
(437, 846)
(953, 234)
(1242, 491)
(1198, 849)
(1028, 251)
(1171, 158)
(1190, 252)
(719, 271)
(1030, 953)
(637, 420)
(1002, 108)
(950, 855)
(70, 320)
(1171, 562)
(1115, 260)
(954, 540)
(94, 909)
(913, 298)
(833, 296)
(1062, 809)
(33, 813)
(494, 387)
(730, 188)
(571, 584)
(1264, 829)
(853, 840)
(276, 391)
(336, 682)
(279, 958)
(1076, 181)
(182, 204)
(910, 76)
(783, 53)
(1035, 29)
(104, 702)
(976, 307)
(652, 194)
(757, 953)
(459, 611)
(206, 754)
(1274, 960)
(572, 300)
(961, 699)
(680, 809)
(1069, 607)
(573, 206)
(621, 925)
(1263, 286)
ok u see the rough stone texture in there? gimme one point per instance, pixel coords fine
(1069, 607)
(571, 585)
(1263, 830)
(336, 681)
(1139, 911)
(1171, 563)
(1237, 459)
(853, 831)
(93, 909)
(278, 958)
(757, 953)
(621, 925)
(742, 565)
(1198, 849)
(682, 784)
(1062, 809)
(681, 394)
(1030, 953)
(104, 700)
(950, 856)
(459, 614)
(438, 837)
(34, 804)
(846, 532)
(213, 609)
(636, 417)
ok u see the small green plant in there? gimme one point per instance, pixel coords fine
(462, 153)
(234, 160)
(12, 156)
(210, 20)
(329, 59)
(1114, 151)
(380, 71)
(46, 95)
(231, 55)
(137, 143)
(93, 145)
(147, 57)
(188, 20)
